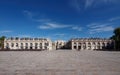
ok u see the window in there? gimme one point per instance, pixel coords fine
(31, 44)
(89, 43)
(45, 47)
(7, 45)
(46, 44)
(93, 43)
(26, 47)
(98, 43)
(21, 44)
(12, 45)
(36, 47)
(35, 38)
(16, 44)
(103, 44)
(31, 38)
(40, 44)
(84, 44)
(40, 47)
(21, 47)
(75, 47)
(26, 44)
(36, 44)
(79, 43)
(75, 43)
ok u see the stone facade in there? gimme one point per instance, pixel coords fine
(60, 44)
(91, 44)
(28, 43)
(47, 44)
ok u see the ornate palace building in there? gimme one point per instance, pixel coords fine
(91, 44)
(47, 44)
(28, 43)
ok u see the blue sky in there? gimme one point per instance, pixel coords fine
(59, 19)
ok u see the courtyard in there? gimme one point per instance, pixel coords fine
(59, 62)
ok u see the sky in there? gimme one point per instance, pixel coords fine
(59, 19)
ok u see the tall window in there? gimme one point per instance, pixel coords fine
(89, 43)
(75, 47)
(7, 45)
(12, 44)
(99, 43)
(93, 43)
(21, 45)
(16, 44)
(31, 44)
(103, 44)
(40, 44)
(46, 44)
(36, 44)
(26, 44)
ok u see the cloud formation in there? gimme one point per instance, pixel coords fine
(52, 26)
(114, 19)
(28, 13)
(84, 4)
(6, 31)
(77, 28)
(96, 28)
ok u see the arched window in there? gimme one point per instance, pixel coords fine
(26, 44)
(46, 44)
(79, 43)
(12, 44)
(89, 43)
(93, 43)
(74, 43)
(84, 44)
(31, 44)
(108, 44)
(7, 44)
(40, 44)
(21, 44)
(16, 44)
(36, 44)
(98, 43)
(103, 44)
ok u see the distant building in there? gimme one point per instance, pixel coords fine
(91, 44)
(28, 43)
(60, 44)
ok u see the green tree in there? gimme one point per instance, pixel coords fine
(116, 37)
(2, 42)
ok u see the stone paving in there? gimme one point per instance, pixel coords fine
(60, 62)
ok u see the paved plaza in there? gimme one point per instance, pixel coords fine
(60, 62)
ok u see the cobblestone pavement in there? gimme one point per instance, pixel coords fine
(59, 62)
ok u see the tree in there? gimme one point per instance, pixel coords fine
(2, 42)
(116, 37)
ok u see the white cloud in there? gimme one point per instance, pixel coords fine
(77, 28)
(84, 4)
(88, 3)
(24, 35)
(59, 34)
(29, 14)
(43, 20)
(6, 31)
(53, 26)
(96, 28)
(115, 18)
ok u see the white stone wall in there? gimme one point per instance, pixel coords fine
(90, 44)
(41, 44)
